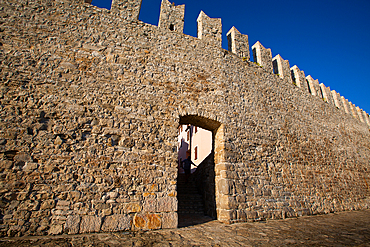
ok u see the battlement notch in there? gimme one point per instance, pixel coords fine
(127, 9)
(238, 43)
(262, 56)
(282, 68)
(172, 17)
(210, 29)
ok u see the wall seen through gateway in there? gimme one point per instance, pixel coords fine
(194, 141)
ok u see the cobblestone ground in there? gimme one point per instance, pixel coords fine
(340, 229)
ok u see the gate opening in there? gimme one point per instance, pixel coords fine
(197, 138)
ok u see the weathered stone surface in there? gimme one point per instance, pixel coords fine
(117, 223)
(72, 225)
(55, 229)
(169, 220)
(90, 224)
(167, 204)
(147, 221)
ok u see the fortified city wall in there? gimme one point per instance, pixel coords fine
(90, 104)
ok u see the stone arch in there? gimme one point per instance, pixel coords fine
(206, 177)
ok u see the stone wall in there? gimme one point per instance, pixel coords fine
(90, 104)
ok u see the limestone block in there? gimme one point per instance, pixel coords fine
(167, 204)
(282, 68)
(72, 225)
(209, 29)
(169, 220)
(150, 205)
(147, 221)
(133, 207)
(55, 230)
(227, 202)
(226, 216)
(90, 223)
(23, 157)
(117, 222)
(238, 43)
(48, 204)
(172, 17)
(225, 186)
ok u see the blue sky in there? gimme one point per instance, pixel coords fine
(327, 39)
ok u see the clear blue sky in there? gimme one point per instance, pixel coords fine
(327, 39)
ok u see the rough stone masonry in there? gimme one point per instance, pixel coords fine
(90, 104)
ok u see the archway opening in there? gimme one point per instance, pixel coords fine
(197, 141)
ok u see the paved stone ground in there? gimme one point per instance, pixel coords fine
(340, 229)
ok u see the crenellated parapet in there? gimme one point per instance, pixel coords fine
(262, 56)
(282, 68)
(172, 17)
(209, 29)
(127, 9)
(238, 43)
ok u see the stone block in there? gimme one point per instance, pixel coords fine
(227, 202)
(6, 164)
(147, 221)
(117, 222)
(72, 225)
(55, 230)
(169, 220)
(167, 204)
(226, 216)
(132, 207)
(48, 204)
(23, 157)
(90, 224)
(30, 166)
(225, 186)
(150, 205)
